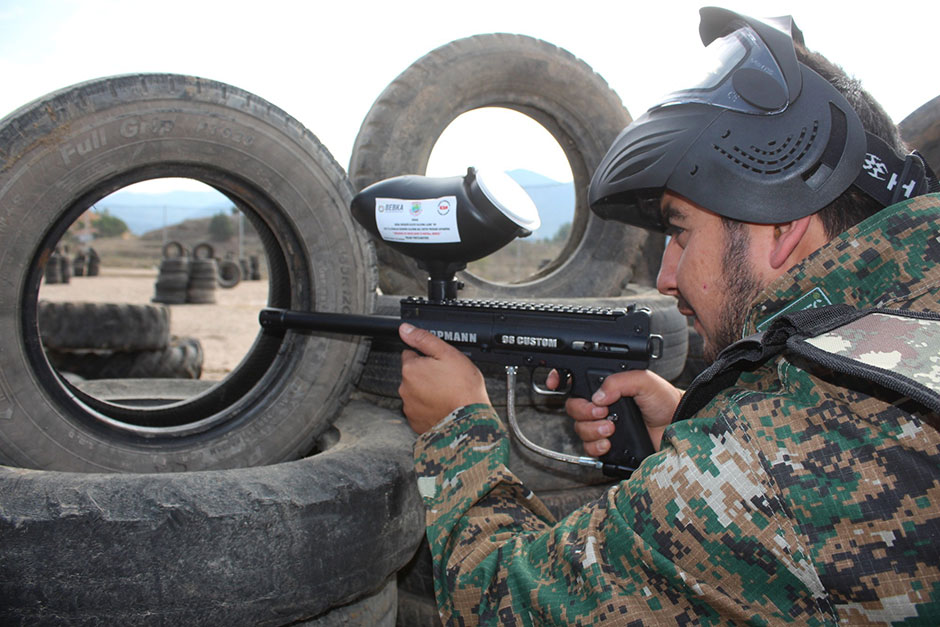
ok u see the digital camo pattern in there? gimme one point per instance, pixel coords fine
(890, 260)
(907, 346)
(790, 497)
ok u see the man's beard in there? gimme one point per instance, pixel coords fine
(741, 287)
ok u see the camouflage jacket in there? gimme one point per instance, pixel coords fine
(794, 495)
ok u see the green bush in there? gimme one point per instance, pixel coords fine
(107, 225)
(220, 228)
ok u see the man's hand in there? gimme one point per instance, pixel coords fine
(437, 381)
(655, 397)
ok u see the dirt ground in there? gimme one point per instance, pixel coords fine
(226, 329)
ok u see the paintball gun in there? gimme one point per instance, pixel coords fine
(446, 222)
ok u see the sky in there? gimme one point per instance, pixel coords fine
(326, 63)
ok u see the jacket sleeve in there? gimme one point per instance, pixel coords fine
(672, 543)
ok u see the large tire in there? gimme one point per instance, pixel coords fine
(271, 545)
(105, 326)
(146, 392)
(64, 152)
(533, 77)
(374, 610)
(417, 610)
(181, 359)
(921, 130)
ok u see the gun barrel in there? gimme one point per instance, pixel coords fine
(350, 324)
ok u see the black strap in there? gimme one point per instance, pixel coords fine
(789, 332)
(889, 177)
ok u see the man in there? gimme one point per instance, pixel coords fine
(786, 487)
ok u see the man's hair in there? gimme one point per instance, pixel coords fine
(853, 205)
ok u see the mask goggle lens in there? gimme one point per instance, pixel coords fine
(718, 81)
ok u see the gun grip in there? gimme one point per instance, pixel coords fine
(630, 443)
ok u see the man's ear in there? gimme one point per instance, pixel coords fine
(787, 237)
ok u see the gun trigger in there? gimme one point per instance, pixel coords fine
(561, 391)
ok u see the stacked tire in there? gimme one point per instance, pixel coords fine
(173, 275)
(203, 275)
(65, 266)
(54, 269)
(79, 263)
(112, 341)
(94, 263)
(181, 358)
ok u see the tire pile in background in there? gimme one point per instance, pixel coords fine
(60, 269)
(172, 276)
(184, 278)
(203, 275)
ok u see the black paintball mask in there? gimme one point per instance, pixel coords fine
(761, 138)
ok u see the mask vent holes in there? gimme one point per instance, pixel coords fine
(777, 156)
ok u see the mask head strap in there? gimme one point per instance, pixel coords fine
(889, 178)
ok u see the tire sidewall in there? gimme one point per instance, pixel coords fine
(533, 77)
(921, 130)
(258, 546)
(124, 125)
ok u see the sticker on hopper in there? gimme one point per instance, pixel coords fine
(428, 221)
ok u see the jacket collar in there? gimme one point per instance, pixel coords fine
(890, 258)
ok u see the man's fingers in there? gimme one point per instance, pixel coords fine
(556, 379)
(655, 397)
(593, 430)
(552, 380)
(407, 354)
(426, 343)
(581, 409)
(597, 448)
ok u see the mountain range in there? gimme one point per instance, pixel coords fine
(148, 212)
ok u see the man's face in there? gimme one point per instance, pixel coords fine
(707, 267)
